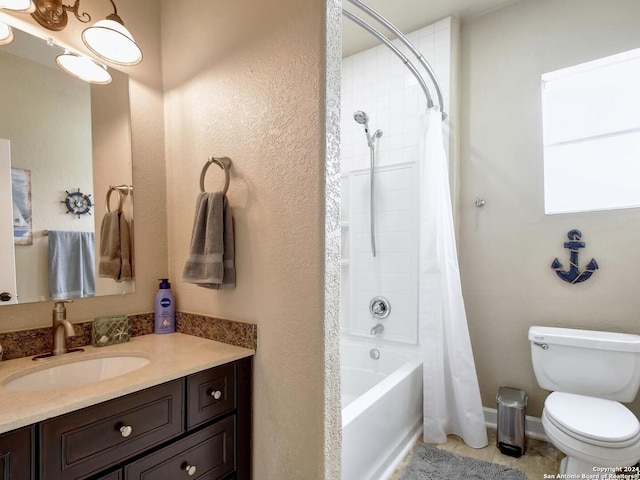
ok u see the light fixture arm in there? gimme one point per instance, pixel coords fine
(76, 9)
(52, 15)
(114, 16)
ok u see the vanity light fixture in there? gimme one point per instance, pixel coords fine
(83, 68)
(22, 6)
(109, 39)
(6, 34)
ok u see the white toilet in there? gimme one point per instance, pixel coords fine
(589, 373)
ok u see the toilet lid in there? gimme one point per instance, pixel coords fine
(592, 418)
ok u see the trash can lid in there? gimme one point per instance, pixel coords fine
(511, 397)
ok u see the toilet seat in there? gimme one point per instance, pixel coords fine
(595, 421)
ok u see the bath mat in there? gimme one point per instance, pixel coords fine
(431, 463)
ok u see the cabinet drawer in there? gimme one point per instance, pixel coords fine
(84, 442)
(16, 455)
(210, 393)
(205, 455)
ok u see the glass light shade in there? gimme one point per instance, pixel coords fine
(112, 41)
(83, 68)
(25, 6)
(6, 34)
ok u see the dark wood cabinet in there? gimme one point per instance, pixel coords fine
(17, 456)
(86, 442)
(117, 475)
(208, 454)
(195, 427)
(211, 393)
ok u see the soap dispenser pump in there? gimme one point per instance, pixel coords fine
(165, 310)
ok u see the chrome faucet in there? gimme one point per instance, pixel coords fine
(379, 328)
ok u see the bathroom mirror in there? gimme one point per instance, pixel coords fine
(70, 142)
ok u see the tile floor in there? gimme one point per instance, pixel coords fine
(539, 458)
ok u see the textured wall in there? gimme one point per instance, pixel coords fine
(143, 18)
(506, 248)
(242, 79)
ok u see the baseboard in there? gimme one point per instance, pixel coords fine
(532, 425)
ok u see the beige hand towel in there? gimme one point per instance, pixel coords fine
(126, 264)
(110, 260)
(115, 247)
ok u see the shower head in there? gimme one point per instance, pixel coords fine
(361, 117)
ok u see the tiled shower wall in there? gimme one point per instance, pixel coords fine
(377, 82)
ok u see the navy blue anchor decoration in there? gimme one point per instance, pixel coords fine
(574, 274)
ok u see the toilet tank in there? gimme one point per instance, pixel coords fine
(586, 362)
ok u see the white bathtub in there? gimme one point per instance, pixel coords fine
(381, 408)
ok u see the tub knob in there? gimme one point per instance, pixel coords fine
(379, 307)
(374, 353)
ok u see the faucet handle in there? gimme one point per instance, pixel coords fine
(60, 303)
(59, 310)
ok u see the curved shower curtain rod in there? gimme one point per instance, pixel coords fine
(395, 50)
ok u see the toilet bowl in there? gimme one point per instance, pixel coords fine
(591, 432)
(589, 373)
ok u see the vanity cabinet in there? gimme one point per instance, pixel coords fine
(88, 441)
(207, 454)
(17, 454)
(195, 427)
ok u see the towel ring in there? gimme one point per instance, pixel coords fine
(123, 191)
(225, 164)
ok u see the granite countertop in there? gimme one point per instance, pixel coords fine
(172, 356)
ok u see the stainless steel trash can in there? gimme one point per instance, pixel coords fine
(512, 405)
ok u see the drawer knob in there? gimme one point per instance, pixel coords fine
(215, 394)
(190, 469)
(126, 430)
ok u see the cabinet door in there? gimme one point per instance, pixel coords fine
(16, 455)
(91, 440)
(210, 394)
(205, 455)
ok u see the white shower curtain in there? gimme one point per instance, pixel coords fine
(452, 401)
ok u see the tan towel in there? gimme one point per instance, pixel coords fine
(211, 263)
(126, 262)
(115, 247)
(110, 261)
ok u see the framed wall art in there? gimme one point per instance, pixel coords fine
(21, 193)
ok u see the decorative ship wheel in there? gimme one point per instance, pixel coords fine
(78, 203)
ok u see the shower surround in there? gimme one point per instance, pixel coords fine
(376, 82)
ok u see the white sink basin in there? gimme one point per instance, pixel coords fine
(76, 373)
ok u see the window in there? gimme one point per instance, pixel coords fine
(591, 130)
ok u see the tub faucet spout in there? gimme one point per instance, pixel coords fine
(379, 328)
